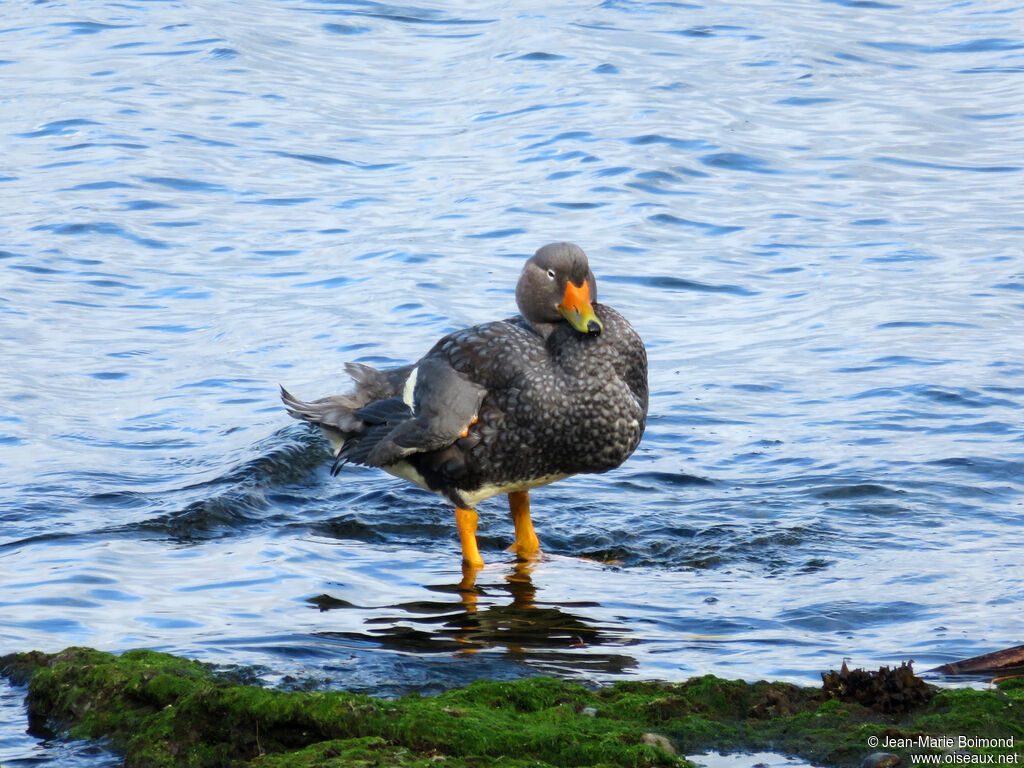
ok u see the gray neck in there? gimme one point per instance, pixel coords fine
(544, 330)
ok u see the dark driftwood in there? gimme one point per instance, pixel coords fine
(1006, 661)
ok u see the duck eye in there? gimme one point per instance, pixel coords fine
(551, 274)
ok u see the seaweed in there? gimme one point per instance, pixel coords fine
(160, 710)
(887, 690)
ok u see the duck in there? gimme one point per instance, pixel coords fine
(503, 407)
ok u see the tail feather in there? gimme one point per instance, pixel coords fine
(334, 411)
(332, 414)
(371, 384)
(336, 415)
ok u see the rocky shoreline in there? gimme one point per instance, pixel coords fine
(160, 710)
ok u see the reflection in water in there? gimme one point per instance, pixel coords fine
(555, 638)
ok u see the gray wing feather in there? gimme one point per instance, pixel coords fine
(372, 424)
(444, 404)
(335, 415)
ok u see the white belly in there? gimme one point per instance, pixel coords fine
(486, 491)
(406, 471)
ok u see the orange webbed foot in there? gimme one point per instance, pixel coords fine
(527, 545)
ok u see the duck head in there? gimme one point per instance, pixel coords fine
(557, 285)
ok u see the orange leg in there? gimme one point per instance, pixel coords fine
(526, 545)
(465, 519)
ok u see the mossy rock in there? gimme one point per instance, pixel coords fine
(161, 710)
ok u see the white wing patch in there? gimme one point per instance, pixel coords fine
(410, 387)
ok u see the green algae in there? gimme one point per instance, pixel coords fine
(161, 710)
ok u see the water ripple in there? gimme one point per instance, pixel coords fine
(809, 213)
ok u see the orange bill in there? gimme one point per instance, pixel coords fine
(577, 309)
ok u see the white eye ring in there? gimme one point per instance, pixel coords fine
(551, 274)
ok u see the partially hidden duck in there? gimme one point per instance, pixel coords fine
(500, 408)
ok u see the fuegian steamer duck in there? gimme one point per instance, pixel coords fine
(502, 407)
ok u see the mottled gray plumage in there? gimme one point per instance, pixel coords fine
(501, 406)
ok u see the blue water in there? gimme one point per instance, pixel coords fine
(811, 211)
